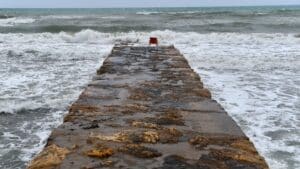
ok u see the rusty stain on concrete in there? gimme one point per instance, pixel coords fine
(146, 108)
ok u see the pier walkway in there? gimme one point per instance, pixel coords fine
(147, 109)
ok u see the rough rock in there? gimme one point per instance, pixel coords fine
(51, 157)
(146, 108)
(139, 151)
(100, 153)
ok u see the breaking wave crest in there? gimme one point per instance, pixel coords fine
(12, 21)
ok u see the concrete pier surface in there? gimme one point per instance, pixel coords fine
(147, 109)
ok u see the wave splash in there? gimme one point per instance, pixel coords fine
(12, 21)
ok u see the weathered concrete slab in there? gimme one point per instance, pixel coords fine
(146, 108)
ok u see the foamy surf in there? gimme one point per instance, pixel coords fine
(255, 76)
(15, 21)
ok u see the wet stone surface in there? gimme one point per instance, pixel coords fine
(146, 108)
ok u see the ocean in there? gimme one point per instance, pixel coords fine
(249, 57)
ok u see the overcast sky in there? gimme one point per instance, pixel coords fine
(136, 3)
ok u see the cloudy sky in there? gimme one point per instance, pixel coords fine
(136, 3)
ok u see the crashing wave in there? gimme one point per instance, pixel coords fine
(11, 21)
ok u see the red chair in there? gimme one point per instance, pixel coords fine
(153, 41)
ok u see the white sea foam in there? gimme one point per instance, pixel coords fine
(170, 13)
(11, 107)
(147, 13)
(46, 17)
(261, 13)
(16, 20)
(88, 36)
(254, 76)
(113, 17)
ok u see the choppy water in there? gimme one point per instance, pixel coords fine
(203, 20)
(249, 57)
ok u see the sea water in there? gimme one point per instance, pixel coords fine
(249, 57)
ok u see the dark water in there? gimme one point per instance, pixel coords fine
(203, 20)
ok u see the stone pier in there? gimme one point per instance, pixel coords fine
(147, 109)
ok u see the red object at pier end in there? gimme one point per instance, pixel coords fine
(153, 41)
